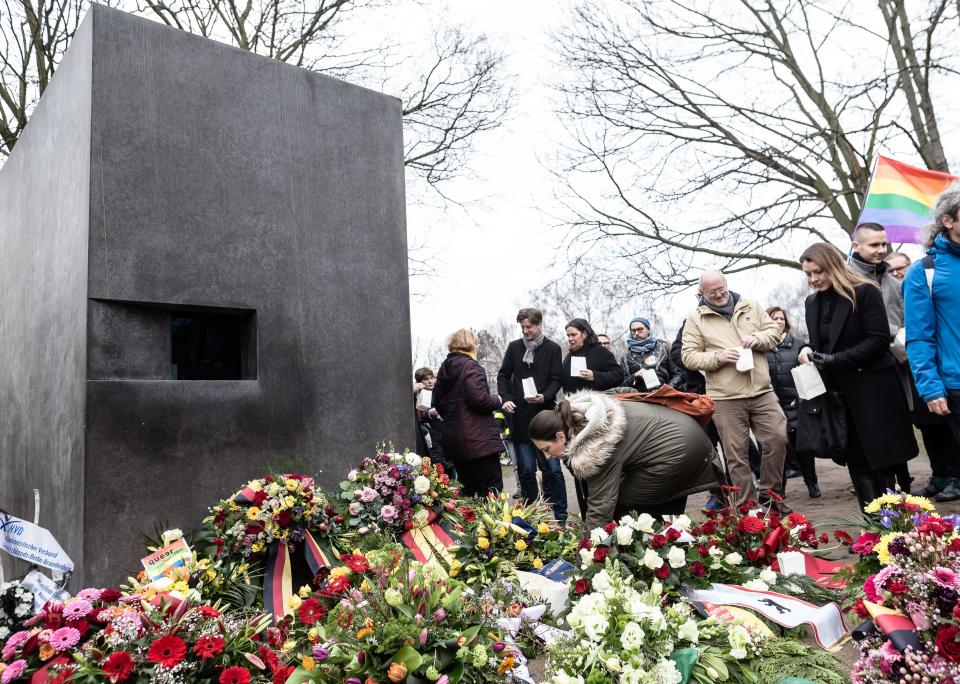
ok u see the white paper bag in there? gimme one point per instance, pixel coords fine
(577, 364)
(650, 379)
(424, 399)
(808, 381)
(745, 362)
(529, 387)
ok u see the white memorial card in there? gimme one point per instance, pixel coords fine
(577, 364)
(529, 387)
(424, 399)
(745, 362)
(650, 379)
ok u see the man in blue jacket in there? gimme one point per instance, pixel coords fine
(931, 293)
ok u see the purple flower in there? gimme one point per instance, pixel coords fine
(887, 517)
(898, 546)
(321, 653)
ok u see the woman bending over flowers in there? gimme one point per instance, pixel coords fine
(633, 456)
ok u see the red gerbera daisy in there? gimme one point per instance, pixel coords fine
(310, 611)
(118, 666)
(235, 675)
(208, 646)
(208, 611)
(167, 651)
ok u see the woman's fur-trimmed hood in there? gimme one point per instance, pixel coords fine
(592, 446)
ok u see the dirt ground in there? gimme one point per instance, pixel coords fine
(837, 502)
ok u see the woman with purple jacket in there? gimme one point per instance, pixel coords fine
(469, 435)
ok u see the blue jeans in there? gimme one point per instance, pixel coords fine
(528, 460)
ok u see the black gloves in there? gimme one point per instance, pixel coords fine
(820, 360)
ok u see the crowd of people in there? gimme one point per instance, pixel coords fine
(883, 334)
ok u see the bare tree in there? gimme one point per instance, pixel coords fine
(450, 95)
(791, 296)
(726, 134)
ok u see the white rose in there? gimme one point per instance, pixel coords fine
(413, 460)
(171, 536)
(352, 475)
(624, 534)
(677, 557)
(715, 552)
(594, 626)
(756, 585)
(564, 678)
(683, 523)
(734, 558)
(628, 521)
(768, 576)
(688, 631)
(598, 535)
(422, 484)
(586, 558)
(613, 664)
(632, 637)
(652, 559)
(601, 581)
(656, 589)
(645, 523)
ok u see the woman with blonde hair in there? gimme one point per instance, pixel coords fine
(468, 433)
(850, 344)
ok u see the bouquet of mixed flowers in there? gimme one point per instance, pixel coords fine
(498, 534)
(403, 626)
(285, 508)
(394, 492)
(882, 519)
(912, 604)
(16, 605)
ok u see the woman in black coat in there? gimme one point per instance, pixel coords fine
(782, 360)
(469, 435)
(850, 344)
(602, 373)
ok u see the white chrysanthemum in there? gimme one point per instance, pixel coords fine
(666, 672)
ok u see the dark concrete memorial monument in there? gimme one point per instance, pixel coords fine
(203, 274)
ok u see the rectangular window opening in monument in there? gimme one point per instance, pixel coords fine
(212, 346)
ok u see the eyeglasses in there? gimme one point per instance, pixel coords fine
(634, 331)
(716, 292)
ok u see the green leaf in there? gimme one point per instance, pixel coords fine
(456, 673)
(299, 676)
(409, 657)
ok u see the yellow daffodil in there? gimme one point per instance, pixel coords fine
(483, 543)
(537, 564)
(543, 528)
(517, 513)
(257, 548)
(308, 663)
(210, 575)
(520, 545)
(365, 586)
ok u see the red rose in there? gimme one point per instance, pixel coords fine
(600, 554)
(751, 524)
(698, 569)
(208, 646)
(311, 611)
(662, 572)
(709, 527)
(703, 551)
(282, 518)
(657, 541)
(110, 595)
(947, 643)
(753, 555)
(118, 667)
(259, 498)
(235, 675)
(673, 534)
(730, 538)
(585, 544)
(167, 651)
(824, 538)
(582, 586)
(610, 527)
(896, 587)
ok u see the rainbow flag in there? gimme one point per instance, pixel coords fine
(901, 198)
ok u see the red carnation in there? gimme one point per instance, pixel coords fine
(796, 519)
(259, 498)
(947, 643)
(311, 611)
(167, 651)
(662, 572)
(208, 646)
(118, 667)
(673, 534)
(751, 524)
(600, 554)
(657, 541)
(730, 488)
(582, 586)
(110, 595)
(824, 538)
(235, 675)
(753, 555)
(698, 569)
(282, 518)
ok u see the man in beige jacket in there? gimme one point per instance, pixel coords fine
(724, 327)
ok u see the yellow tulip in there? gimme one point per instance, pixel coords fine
(543, 528)
(537, 564)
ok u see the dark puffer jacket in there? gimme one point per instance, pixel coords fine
(782, 361)
(463, 400)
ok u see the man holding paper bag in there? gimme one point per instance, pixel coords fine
(726, 337)
(528, 382)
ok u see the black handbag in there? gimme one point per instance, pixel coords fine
(822, 427)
